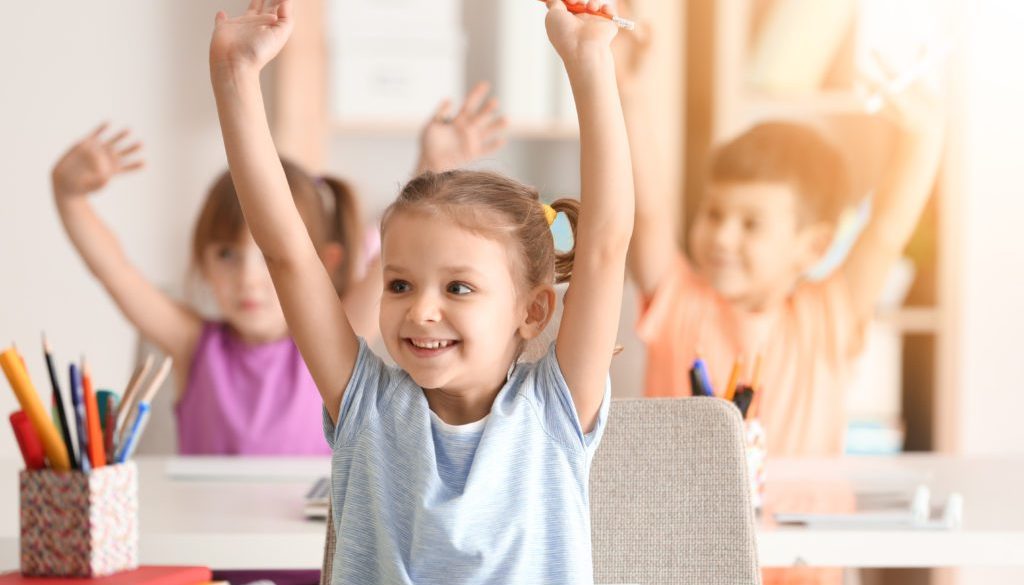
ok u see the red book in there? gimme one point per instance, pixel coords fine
(140, 576)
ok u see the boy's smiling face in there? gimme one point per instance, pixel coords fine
(450, 312)
(749, 242)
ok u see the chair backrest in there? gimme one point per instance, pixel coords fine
(669, 497)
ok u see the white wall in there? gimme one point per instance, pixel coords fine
(992, 256)
(67, 66)
(993, 212)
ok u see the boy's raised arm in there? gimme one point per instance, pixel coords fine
(900, 198)
(653, 247)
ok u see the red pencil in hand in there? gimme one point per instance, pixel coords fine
(582, 9)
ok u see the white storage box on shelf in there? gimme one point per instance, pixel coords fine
(511, 48)
(394, 81)
(394, 17)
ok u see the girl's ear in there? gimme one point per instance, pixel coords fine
(332, 255)
(540, 307)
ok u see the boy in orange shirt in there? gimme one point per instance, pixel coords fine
(773, 198)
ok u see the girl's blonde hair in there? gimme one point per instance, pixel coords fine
(328, 207)
(498, 207)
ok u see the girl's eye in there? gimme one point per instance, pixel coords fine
(398, 286)
(715, 215)
(751, 225)
(459, 288)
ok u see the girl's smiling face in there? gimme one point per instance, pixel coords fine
(450, 313)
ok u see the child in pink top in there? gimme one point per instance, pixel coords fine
(242, 387)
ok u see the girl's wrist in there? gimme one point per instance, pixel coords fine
(228, 73)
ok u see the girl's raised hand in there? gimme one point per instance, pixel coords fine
(90, 164)
(477, 130)
(252, 39)
(571, 34)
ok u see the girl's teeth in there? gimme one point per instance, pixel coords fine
(431, 344)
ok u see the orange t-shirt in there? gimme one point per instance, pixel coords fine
(807, 354)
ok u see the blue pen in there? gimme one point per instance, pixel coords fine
(705, 379)
(78, 402)
(128, 448)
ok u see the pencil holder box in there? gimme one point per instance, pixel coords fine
(76, 524)
(756, 454)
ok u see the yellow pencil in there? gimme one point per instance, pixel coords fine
(734, 378)
(27, 396)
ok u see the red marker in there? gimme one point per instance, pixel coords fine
(582, 9)
(28, 441)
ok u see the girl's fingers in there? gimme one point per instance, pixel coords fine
(132, 166)
(284, 10)
(443, 112)
(487, 112)
(475, 98)
(99, 130)
(220, 17)
(117, 138)
(130, 149)
(255, 7)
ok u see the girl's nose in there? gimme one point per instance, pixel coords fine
(425, 308)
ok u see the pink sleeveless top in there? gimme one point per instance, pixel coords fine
(246, 399)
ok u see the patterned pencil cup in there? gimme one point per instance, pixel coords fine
(756, 454)
(76, 524)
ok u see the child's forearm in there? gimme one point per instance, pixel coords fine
(606, 177)
(899, 201)
(906, 185)
(171, 326)
(653, 243)
(256, 169)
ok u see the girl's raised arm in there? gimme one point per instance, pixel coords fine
(83, 170)
(586, 338)
(240, 48)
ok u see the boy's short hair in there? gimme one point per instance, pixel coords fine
(789, 153)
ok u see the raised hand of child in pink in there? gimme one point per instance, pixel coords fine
(90, 164)
(571, 34)
(252, 39)
(448, 143)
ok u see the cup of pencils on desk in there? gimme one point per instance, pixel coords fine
(747, 399)
(79, 497)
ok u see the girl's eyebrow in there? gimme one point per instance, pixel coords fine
(462, 269)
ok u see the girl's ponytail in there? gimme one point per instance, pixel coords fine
(564, 259)
(345, 228)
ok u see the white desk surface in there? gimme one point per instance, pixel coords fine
(247, 513)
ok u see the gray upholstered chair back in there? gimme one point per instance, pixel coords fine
(669, 501)
(668, 497)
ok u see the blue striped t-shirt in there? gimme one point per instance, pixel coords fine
(503, 500)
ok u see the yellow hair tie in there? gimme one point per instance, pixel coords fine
(549, 213)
